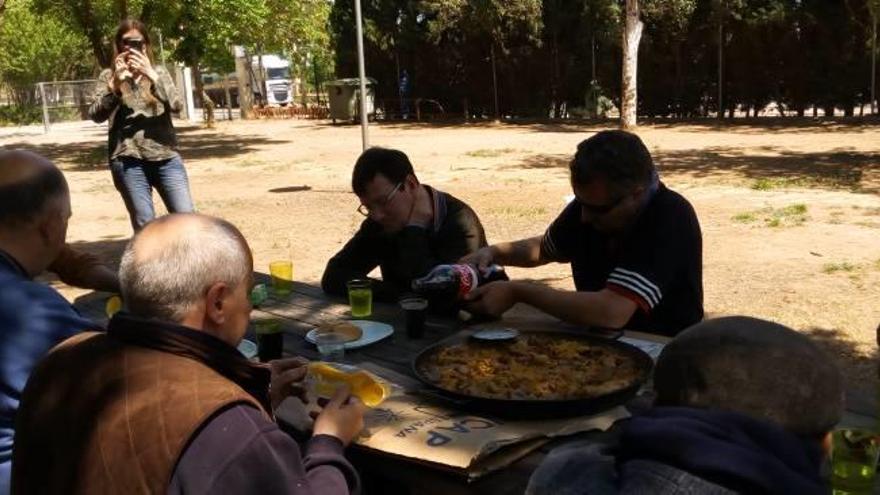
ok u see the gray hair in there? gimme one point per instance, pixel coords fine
(753, 367)
(168, 281)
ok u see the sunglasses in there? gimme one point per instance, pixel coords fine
(601, 209)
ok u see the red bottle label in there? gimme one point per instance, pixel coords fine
(468, 280)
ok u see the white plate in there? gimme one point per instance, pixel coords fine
(373, 332)
(247, 348)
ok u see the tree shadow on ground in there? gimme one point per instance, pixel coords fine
(837, 168)
(759, 125)
(859, 370)
(841, 168)
(89, 156)
(765, 125)
(535, 125)
(70, 157)
(543, 161)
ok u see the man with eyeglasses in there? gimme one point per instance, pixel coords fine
(410, 227)
(635, 247)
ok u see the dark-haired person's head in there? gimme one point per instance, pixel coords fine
(753, 367)
(384, 181)
(611, 174)
(132, 34)
(34, 209)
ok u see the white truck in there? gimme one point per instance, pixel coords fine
(276, 72)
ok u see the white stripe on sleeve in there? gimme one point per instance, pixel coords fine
(634, 286)
(644, 280)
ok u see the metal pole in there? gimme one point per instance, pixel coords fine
(45, 107)
(365, 137)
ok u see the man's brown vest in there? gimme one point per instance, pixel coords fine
(101, 417)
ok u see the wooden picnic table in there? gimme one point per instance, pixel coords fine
(307, 307)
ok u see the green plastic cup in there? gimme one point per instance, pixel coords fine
(360, 297)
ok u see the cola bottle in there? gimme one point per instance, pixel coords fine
(454, 281)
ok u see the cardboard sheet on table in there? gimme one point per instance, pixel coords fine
(408, 426)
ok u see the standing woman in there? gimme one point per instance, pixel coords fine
(139, 98)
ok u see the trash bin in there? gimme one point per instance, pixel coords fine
(344, 94)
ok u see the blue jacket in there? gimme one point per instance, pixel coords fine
(679, 450)
(33, 319)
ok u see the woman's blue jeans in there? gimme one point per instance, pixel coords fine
(135, 180)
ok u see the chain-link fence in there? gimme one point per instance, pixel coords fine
(65, 101)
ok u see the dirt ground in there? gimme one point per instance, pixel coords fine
(790, 210)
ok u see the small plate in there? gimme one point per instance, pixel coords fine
(373, 332)
(247, 348)
(495, 334)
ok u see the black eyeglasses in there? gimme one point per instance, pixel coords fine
(601, 209)
(366, 210)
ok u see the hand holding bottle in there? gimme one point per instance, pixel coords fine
(482, 258)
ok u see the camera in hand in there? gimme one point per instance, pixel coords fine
(134, 43)
(454, 282)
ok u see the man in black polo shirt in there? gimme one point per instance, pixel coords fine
(410, 227)
(634, 246)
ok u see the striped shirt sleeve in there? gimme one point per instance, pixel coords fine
(636, 287)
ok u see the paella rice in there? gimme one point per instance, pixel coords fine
(534, 367)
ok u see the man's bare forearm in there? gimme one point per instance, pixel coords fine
(594, 309)
(525, 253)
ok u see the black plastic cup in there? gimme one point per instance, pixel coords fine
(415, 309)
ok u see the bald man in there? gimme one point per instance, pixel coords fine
(163, 402)
(34, 210)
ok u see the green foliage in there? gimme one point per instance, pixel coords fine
(495, 21)
(788, 216)
(201, 33)
(745, 217)
(37, 48)
(301, 29)
(490, 153)
(673, 15)
(844, 266)
(20, 115)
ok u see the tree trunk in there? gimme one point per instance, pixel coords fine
(199, 84)
(593, 57)
(399, 88)
(679, 84)
(228, 96)
(874, 64)
(554, 86)
(317, 81)
(720, 70)
(261, 78)
(629, 92)
(495, 82)
(84, 14)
